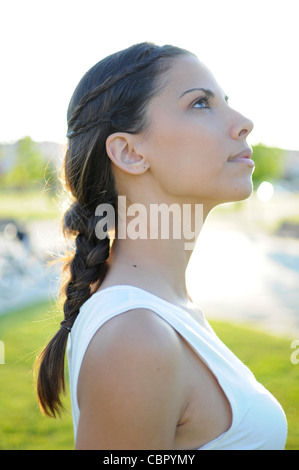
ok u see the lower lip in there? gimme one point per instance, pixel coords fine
(248, 161)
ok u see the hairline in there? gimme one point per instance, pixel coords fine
(160, 83)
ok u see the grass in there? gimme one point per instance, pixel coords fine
(269, 358)
(28, 205)
(22, 426)
(24, 332)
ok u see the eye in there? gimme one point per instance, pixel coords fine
(201, 103)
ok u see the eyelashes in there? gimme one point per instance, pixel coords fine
(205, 102)
(201, 103)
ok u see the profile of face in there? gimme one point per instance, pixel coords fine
(195, 144)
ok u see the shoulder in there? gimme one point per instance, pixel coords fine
(137, 335)
(132, 372)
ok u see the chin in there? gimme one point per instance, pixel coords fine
(237, 192)
(241, 192)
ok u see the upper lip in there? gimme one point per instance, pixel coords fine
(246, 153)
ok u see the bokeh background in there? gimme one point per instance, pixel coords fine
(244, 272)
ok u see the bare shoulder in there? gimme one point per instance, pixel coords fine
(132, 372)
(134, 332)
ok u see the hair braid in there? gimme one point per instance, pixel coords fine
(79, 128)
(88, 264)
(87, 267)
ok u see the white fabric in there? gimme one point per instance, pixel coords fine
(258, 421)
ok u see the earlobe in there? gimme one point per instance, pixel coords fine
(120, 150)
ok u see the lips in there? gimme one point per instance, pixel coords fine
(242, 157)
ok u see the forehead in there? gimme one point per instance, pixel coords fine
(187, 72)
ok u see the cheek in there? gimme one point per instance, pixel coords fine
(185, 156)
(192, 160)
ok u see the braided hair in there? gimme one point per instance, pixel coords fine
(111, 97)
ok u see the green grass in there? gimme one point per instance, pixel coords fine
(269, 358)
(28, 205)
(24, 332)
(22, 426)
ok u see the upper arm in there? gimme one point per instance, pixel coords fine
(130, 388)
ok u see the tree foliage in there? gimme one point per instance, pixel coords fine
(269, 164)
(28, 168)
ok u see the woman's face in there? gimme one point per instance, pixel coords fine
(193, 138)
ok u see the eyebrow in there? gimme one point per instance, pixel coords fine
(208, 92)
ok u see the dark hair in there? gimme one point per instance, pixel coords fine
(111, 97)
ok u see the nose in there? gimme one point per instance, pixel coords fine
(241, 126)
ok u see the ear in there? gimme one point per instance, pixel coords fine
(121, 151)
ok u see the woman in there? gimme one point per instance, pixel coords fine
(151, 125)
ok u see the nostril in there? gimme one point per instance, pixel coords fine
(242, 126)
(244, 132)
(246, 129)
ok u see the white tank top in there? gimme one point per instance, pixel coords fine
(258, 421)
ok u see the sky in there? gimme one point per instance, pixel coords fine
(47, 45)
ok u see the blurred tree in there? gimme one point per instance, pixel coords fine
(28, 166)
(29, 169)
(269, 164)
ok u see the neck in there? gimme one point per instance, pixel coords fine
(155, 262)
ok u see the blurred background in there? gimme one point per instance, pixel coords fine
(245, 266)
